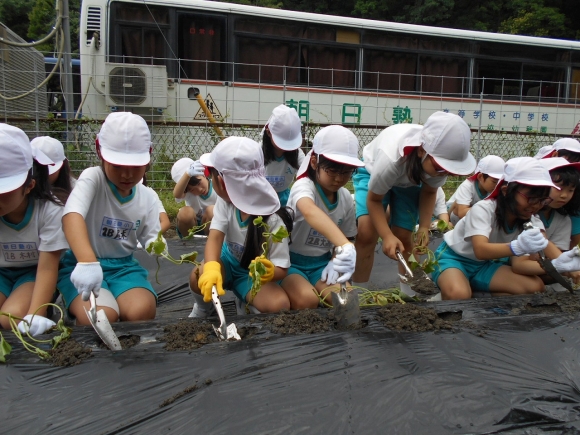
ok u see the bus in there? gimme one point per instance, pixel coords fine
(152, 57)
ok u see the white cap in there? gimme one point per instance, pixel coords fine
(336, 143)
(17, 155)
(490, 165)
(524, 170)
(179, 168)
(240, 162)
(568, 144)
(545, 151)
(286, 128)
(125, 140)
(447, 138)
(558, 162)
(52, 148)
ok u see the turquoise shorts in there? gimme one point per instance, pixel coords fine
(237, 278)
(181, 236)
(119, 275)
(283, 197)
(13, 277)
(404, 201)
(479, 273)
(575, 225)
(310, 268)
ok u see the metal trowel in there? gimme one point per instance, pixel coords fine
(101, 324)
(224, 332)
(346, 306)
(418, 281)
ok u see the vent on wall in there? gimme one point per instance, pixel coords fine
(136, 85)
(93, 22)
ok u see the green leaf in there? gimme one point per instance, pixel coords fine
(441, 225)
(280, 234)
(191, 257)
(5, 349)
(258, 221)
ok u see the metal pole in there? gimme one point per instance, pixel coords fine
(66, 73)
(480, 115)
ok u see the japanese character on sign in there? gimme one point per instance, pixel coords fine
(543, 129)
(531, 116)
(476, 114)
(529, 128)
(544, 116)
(516, 115)
(461, 113)
(492, 114)
(490, 127)
(401, 115)
(302, 107)
(515, 128)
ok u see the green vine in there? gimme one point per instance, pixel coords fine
(159, 248)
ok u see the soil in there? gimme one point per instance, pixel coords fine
(300, 322)
(69, 353)
(183, 392)
(127, 341)
(422, 284)
(413, 318)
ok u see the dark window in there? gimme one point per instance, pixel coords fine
(575, 88)
(266, 27)
(498, 78)
(328, 66)
(517, 51)
(385, 39)
(201, 46)
(389, 71)
(541, 82)
(264, 60)
(443, 75)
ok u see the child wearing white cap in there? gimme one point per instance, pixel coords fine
(474, 256)
(323, 219)
(565, 202)
(475, 188)
(59, 175)
(31, 237)
(236, 166)
(281, 141)
(196, 190)
(107, 213)
(404, 166)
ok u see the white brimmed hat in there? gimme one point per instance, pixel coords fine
(490, 165)
(286, 128)
(524, 170)
(447, 138)
(179, 168)
(52, 148)
(240, 162)
(544, 152)
(568, 144)
(336, 143)
(558, 162)
(125, 140)
(17, 155)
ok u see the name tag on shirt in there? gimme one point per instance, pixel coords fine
(317, 239)
(18, 252)
(115, 229)
(276, 180)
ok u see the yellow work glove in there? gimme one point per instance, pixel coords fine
(268, 265)
(212, 275)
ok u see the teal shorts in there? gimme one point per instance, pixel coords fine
(283, 197)
(119, 275)
(575, 225)
(181, 236)
(237, 278)
(404, 201)
(13, 277)
(310, 268)
(479, 273)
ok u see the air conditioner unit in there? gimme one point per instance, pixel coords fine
(133, 85)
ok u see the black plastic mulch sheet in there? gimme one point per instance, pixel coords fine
(512, 372)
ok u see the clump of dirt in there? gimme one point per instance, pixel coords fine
(422, 284)
(182, 393)
(410, 317)
(69, 353)
(188, 335)
(300, 322)
(127, 341)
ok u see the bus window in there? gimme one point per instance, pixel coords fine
(443, 75)
(389, 71)
(498, 78)
(265, 60)
(575, 82)
(328, 66)
(541, 82)
(54, 89)
(201, 41)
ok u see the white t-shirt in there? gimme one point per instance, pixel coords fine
(228, 220)
(307, 241)
(384, 160)
(440, 205)
(199, 202)
(481, 221)
(39, 231)
(280, 174)
(467, 193)
(558, 230)
(115, 224)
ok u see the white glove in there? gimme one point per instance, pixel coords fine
(156, 248)
(38, 325)
(87, 278)
(568, 261)
(345, 262)
(329, 275)
(529, 242)
(195, 169)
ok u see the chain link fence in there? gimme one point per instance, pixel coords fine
(173, 141)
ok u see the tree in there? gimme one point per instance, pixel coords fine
(43, 18)
(534, 18)
(14, 14)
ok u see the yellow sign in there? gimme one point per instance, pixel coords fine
(212, 107)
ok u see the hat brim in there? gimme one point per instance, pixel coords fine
(345, 160)
(240, 194)
(125, 159)
(8, 184)
(286, 145)
(455, 167)
(54, 168)
(206, 160)
(502, 181)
